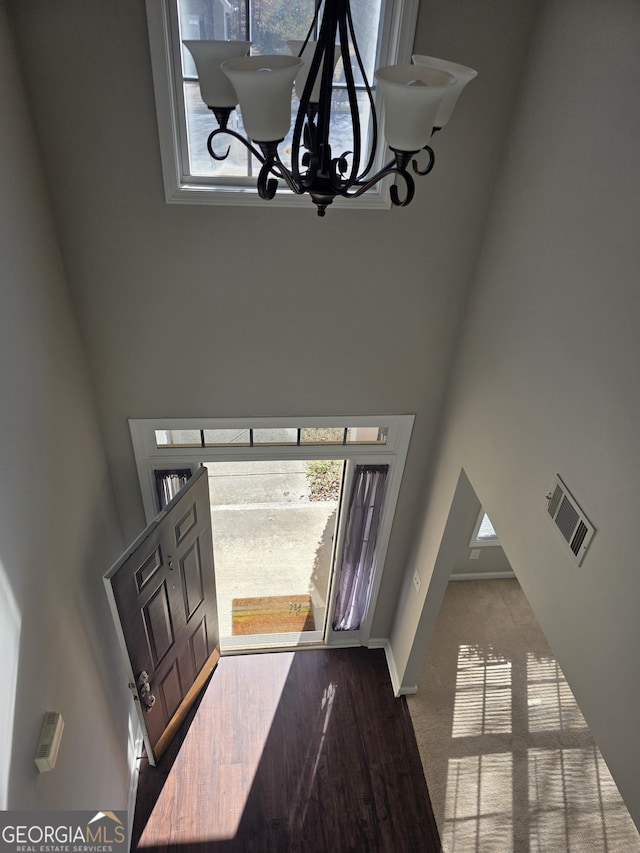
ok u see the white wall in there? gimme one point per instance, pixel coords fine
(231, 312)
(58, 530)
(547, 380)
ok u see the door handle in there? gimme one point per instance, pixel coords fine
(147, 699)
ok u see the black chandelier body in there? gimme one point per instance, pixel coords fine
(314, 168)
(316, 171)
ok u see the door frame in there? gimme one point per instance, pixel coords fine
(149, 457)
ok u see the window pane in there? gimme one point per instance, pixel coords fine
(322, 435)
(366, 22)
(341, 137)
(214, 437)
(200, 123)
(275, 21)
(486, 531)
(367, 435)
(224, 20)
(275, 436)
(178, 438)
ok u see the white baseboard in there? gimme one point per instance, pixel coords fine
(481, 576)
(398, 689)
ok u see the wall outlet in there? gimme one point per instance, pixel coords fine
(474, 554)
(416, 581)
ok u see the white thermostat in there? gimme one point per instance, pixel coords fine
(49, 742)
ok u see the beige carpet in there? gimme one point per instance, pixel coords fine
(509, 760)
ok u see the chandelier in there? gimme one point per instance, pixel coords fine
(418, 100)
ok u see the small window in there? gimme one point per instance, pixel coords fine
(275, 436)
(323, 435)
(367, 435)
(384, 31)
(178, 438)
(221, 437)
(483, 532)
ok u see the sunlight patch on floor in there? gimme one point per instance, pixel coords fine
(483, 693)
(558, 779)
(479, 804)
(228, 772)
(563, 785)
(552, 705)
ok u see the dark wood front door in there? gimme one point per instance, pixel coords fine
(163, 596)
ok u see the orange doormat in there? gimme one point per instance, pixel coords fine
(272, 614)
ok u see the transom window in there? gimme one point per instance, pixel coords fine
(289, 436)
(384, 31)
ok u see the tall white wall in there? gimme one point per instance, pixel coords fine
(58, 530)
(547, 379)
(232, 312)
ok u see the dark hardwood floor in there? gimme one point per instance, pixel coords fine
(306, 751)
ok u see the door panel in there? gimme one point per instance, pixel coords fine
(192, 580)
(163, 595)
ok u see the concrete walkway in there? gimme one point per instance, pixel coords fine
(269, 538)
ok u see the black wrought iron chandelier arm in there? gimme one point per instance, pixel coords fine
(273, 165)
(398, 166)
(219, 157)
(430, 163)
(329, 29)
(270, 161)
(398, 163)
(391, 168)
(410, 187)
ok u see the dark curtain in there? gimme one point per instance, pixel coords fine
(169, 483)
(354, 582)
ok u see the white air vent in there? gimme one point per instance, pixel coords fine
(49, 742)
(570, 520)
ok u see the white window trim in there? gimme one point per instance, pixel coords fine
(474, 542)
(397, 36)
(393, 453)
